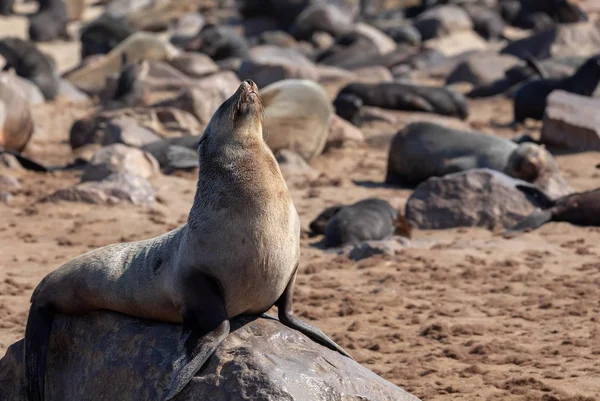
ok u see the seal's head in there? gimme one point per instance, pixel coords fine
(239, 116)
(533, 163)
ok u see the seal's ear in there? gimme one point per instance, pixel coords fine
(124, 59)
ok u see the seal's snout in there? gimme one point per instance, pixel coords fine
(248, 87)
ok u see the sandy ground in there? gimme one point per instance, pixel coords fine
(462, 315)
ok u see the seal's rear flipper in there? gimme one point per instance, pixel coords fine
(37, 337)
(286, 316)
(531, 222)
(205, 326)
(197, 348)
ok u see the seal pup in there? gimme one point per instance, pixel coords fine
(30, 63)
(531, 98)
(397, 96)
(423, 150)
(237, 254)
(50, 22)
(365, 220)
(582, 209)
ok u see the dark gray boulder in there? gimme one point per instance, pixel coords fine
(108, 356)
(473, 198)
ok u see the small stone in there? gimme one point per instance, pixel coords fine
(341, 133)
(268, 64)
(118, 158)
(9, 184)
(127, 131)
(473, 198)
(116, 188)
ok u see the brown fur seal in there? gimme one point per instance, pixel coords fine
(582, 209)
(237, 254)
(16, 122)
(91, 78)
(423, 150)
(365, 220)
(30, 63)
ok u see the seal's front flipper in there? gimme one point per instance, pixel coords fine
(37, 337)
(205, 326)
(286, 316)
(531, 222)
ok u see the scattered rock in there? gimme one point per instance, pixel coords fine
(341, 132)
(564, 40)
(205, 97)
(321, 18)
(116, 188)
(167, 122)
(572, 121)
(292, 165)
(9, 162)
(367, 249)
(195, 65)
(374, 74)
(140, 46)
(68, 91)
(297, 115)
(474, 198)
(442, 20)
(5, 197)
(267, 64)
(457, 43)
(261, 359)
(482, 68)
(117, 159)
(9, 184)
(28, 89)
(382, 42)
(127, 131)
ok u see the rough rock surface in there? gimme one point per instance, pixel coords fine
(107, 356)
(118, 158)
(206, 95)
(382, 42)
(115, 188)
(443, 20)
(167, 122)
(564, 40)
(28, 89)
(127, 131)
(268, 64)
(572, 121)
(473, 198)
(482, 68)
(195, 65)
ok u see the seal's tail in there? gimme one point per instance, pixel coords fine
(37, 337)
(531, 222)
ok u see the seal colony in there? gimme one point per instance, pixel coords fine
(192, 275)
